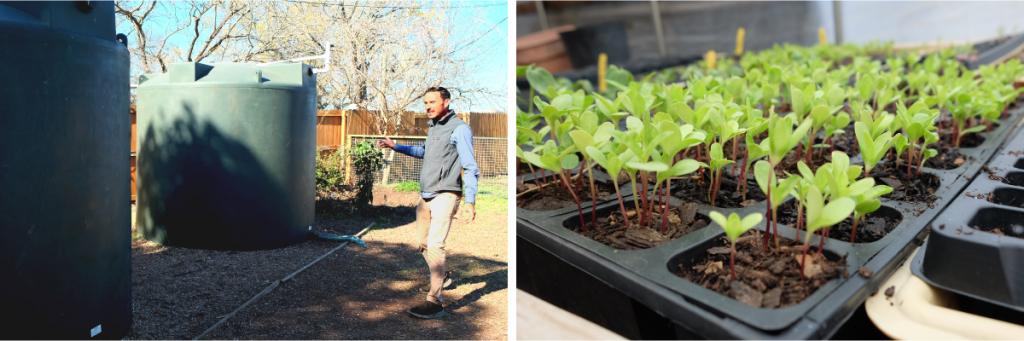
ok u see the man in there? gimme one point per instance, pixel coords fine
(447, 150)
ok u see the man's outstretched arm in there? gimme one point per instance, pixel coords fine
(415, 151)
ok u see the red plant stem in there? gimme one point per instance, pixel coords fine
(579, 176)
(664, 209)
(956, 135)
(909, 161)
(732, 261)
(644, 204)
(533, 174)
(668, 193)
(579, 208)
(803, 258)
(593, 195)
(715, 176)
(775, 226)
(622, 208)
(743, 175)
(821, 242)
(735, 146)
(799, 219)
(853, 231)
(768, 211)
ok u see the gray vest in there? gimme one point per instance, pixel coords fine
(441, 170)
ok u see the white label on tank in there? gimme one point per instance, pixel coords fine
(96, 330)
(311, 227)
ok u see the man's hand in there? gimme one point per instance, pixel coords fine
(386, 143)
(471, 208)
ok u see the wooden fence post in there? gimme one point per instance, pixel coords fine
(346, 143)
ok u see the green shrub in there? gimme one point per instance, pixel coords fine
(366, 160)
(330, 171)
(407, 186)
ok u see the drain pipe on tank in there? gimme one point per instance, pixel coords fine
(345, 240)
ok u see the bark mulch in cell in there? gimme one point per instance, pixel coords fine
(610, 229)
(554, 196)
(693, 189)
(909, 188)
(870, 228)
(765, 278)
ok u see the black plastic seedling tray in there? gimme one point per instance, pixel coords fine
(645, 275)
(963, 255)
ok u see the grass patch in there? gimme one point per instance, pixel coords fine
(492, 195)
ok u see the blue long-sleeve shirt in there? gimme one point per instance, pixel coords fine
(462, 138)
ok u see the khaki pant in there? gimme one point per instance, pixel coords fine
(434, 218)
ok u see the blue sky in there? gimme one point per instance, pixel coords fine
(493, 63)
(485, 20)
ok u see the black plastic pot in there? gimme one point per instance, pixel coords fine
(963, 255)
(585, 43)
(644, 276)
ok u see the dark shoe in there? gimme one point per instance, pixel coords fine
(427, 310)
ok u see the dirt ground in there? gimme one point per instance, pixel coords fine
(354, 293)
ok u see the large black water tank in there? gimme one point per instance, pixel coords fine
(226, 155)
(64, 138)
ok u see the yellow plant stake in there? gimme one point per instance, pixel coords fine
(710, 58)
(822, 40)
(740, 34)
(602, 71)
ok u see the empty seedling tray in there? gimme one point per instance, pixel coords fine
(976, 247)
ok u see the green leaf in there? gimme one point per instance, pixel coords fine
(684, 167)
(540, 80)
(833, 213)
(581, 139)
(562, 102)
(733, 226)
(535, 159)
(762, 170)
(648, 166)
(570, 161)
(975, 129)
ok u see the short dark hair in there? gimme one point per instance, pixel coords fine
(444, 92)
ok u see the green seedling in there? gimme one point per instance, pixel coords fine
(557, 160)
(872, 148)
(612, 161)
(717, 161)
(782, 137)
(867, 202)
(589, 134)
(776, 192)
(918, 131)
(821, 216)
(734, 227)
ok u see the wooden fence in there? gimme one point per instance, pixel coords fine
(334, 129)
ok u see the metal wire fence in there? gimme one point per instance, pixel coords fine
(491, 155)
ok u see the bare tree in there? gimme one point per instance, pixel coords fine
(384, 56)
(207, 26)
